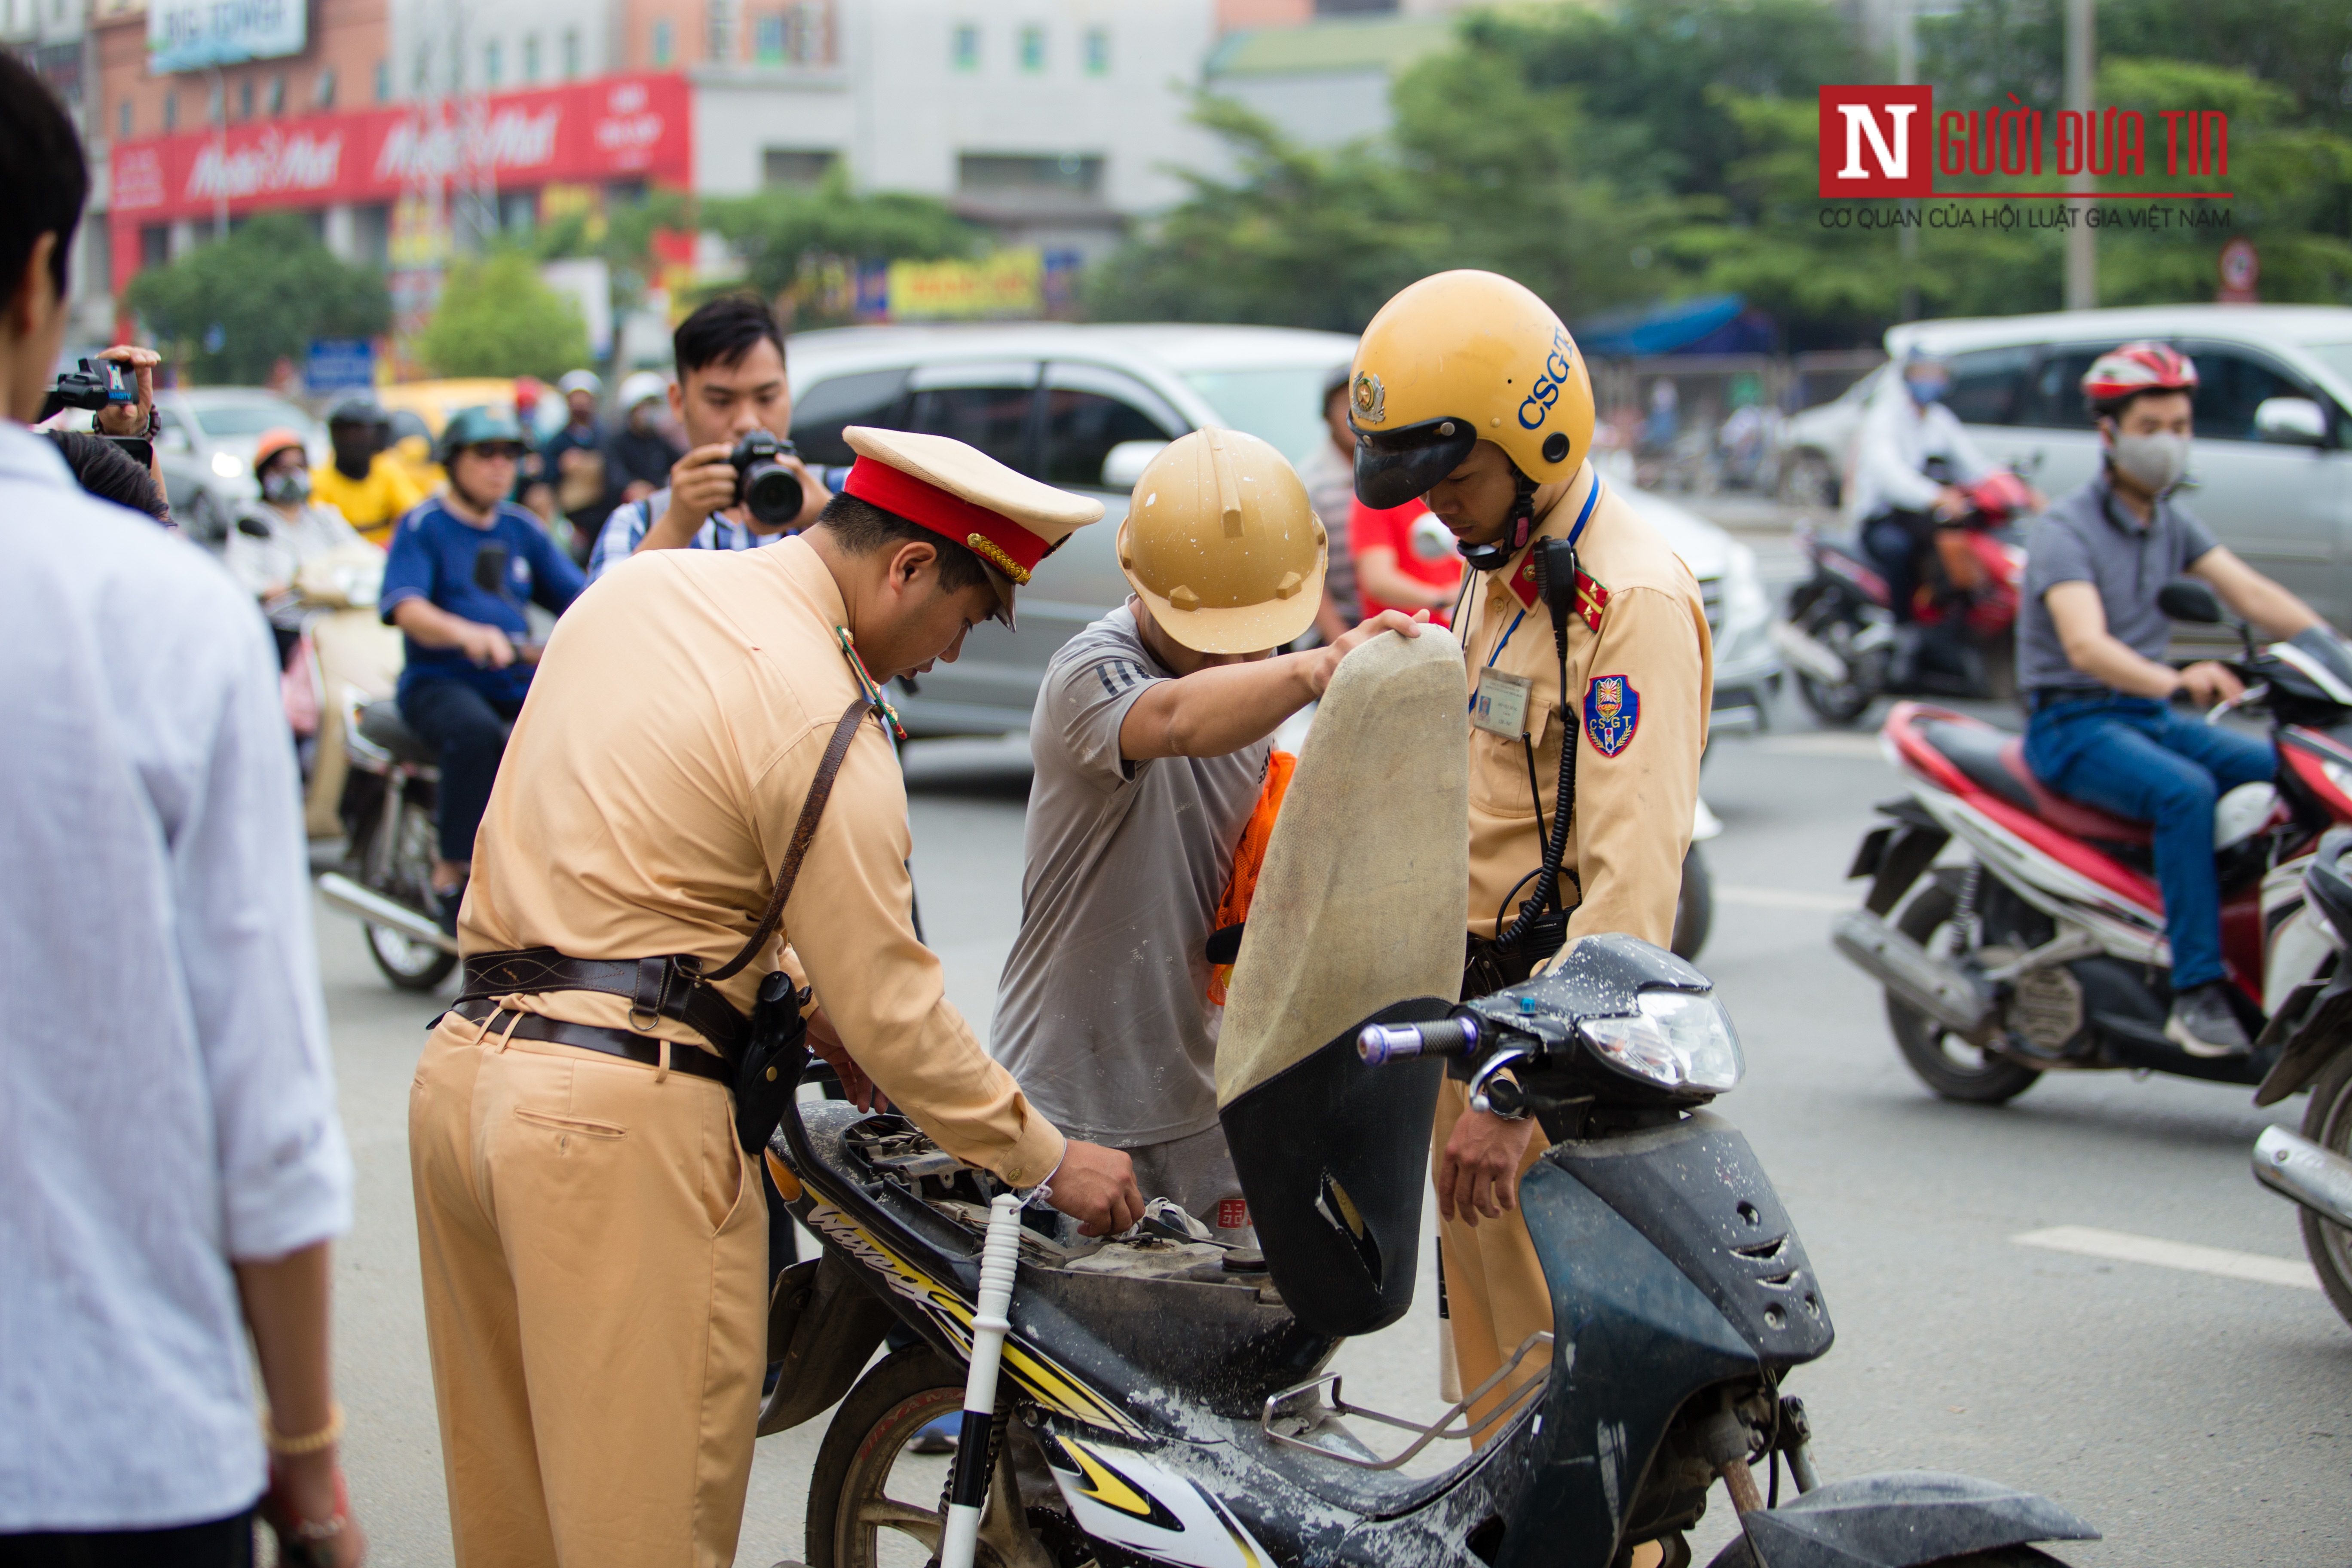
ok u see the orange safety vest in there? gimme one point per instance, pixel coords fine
(1249, 858)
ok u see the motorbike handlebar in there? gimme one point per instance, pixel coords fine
(1382, 1043)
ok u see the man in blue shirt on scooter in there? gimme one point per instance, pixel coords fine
(2090, 657)
(455, 581)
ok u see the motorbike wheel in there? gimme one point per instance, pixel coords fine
(2328, 1123)
(1694, 909)
(403, 870)
(1737, 1556)
(1866, 672)
(1945, 1062)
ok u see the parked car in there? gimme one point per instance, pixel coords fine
(1086, 408)
(2269, 469)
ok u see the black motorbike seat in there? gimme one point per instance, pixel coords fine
(1996, 759)
(380, 723)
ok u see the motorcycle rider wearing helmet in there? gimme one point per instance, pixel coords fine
(455, 580)
(2090, 656)
(365, 482)
(571, 462)
(1469, 393)
(1898, 507)
(271, 542)
(730, 383)
(1152, 740)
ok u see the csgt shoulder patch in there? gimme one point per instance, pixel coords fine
(1612, 712)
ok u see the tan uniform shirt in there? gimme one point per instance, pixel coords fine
(648, 792)
(1641, 665)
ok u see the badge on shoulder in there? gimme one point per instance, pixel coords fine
(1612, 712)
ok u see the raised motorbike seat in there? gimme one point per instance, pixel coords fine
(1997, 761)
(380, 722)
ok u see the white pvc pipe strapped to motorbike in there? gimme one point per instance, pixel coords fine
(969, 1490)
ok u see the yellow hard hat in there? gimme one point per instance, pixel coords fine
(1455, 359)
(1221, 543)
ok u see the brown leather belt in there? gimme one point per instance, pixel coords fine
(661, 987)
(643, 1049)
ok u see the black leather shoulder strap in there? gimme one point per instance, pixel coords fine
(828, 767)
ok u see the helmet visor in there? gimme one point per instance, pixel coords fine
(1393, 467)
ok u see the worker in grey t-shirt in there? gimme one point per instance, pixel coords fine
(1151, 738)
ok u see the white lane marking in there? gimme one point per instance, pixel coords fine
(1825, 743)
(1783, 897)
(2125, 1248)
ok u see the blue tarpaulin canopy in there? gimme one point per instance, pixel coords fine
(1709, 323)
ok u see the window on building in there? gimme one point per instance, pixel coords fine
(964, 52)
(1072, 176)
(531, 57)
(277, 95)
(571, 54)
(424, 68)
(768, 39)
(1098, 51)
(664, 43)
(322, 91)
(797, 166)
(170, 111)
(518, 211)
(811, 40)
(1033, 49)
(372, 236)
(245, 99)
(122, 119)
(494, 62)
(155, 244)
(382, 81)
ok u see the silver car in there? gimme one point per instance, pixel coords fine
(205, 446)
(1085, 407)
(2270, 469)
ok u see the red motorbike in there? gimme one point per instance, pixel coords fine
(1841, 634)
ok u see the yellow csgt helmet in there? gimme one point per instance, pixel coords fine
(1221, 543)
(1455, 359)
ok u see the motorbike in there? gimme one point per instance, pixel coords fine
(1840, 632)
(2046, 950)
(1165, 1399)
(2315, 1169)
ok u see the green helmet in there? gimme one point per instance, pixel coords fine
(476, 428)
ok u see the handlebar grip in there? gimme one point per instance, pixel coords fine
(1382, 1043)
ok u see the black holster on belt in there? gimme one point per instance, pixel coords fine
(775, 1053)
(1488, 966)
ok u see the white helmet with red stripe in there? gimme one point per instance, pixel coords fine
(2124, 372)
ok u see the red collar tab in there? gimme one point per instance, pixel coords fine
(1591, 598)
(1523, 581)
(995, 538)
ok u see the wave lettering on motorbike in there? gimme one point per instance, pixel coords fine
(1048, 1383)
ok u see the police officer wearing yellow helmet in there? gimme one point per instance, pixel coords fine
(1469, 394)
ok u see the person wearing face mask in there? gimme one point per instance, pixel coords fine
(365, 482)
(270, 541)
(2090, 656)
(1896, 504)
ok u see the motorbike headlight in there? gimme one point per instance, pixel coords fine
(1677, 1040)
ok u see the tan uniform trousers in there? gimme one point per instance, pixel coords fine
(1494, 1291)
(593, 1241)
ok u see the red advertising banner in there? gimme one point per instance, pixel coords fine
(622, 127)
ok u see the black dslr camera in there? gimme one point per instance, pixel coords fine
(97, 384)
(771, 491)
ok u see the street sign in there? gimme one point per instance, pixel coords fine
(2241, 267)
(341, 364)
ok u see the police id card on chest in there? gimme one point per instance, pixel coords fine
(1501, 705)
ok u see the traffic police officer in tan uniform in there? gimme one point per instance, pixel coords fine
(1469, 393)
(593, 1233)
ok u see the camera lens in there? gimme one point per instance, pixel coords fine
(770, 489)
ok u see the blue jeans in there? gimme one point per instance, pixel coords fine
(2135, 757)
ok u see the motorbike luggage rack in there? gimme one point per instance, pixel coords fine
(1433, 1432)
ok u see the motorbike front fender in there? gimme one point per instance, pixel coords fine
(1902, 1519)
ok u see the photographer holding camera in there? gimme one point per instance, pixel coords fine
(741, 484)
(119, 389)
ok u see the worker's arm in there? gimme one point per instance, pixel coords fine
(2274, 612)
(882, 991)
(1216, 711)
(1634, 807)
(1380, 578)
(2081, 619)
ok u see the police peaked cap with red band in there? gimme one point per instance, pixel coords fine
(1008, 520)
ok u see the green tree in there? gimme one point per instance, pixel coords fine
(231, 310)
(497, 317)
(1300, 237)
(790, 239)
